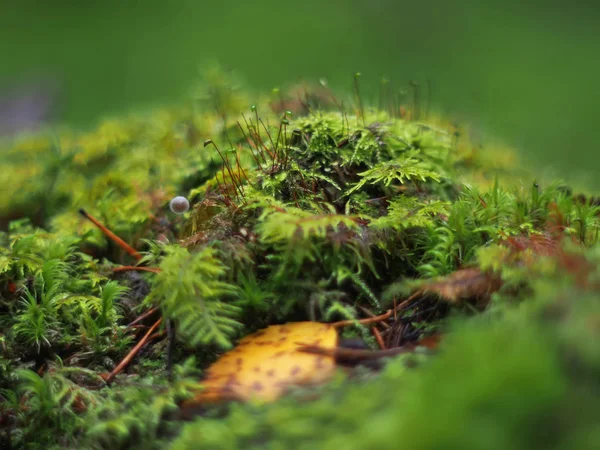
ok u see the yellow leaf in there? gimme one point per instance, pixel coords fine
(265, 364)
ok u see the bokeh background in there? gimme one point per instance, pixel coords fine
(527, 72)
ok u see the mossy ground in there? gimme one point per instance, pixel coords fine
(302, 209)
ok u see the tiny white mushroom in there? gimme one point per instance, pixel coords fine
(179, 205)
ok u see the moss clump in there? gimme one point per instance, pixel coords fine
(329, 215)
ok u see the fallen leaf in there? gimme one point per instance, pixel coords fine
(265, 364)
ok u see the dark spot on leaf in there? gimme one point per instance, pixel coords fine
(295, 370)
(257, 386)
(217, 377)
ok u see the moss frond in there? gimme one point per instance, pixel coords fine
(398, 171)
(189, 289)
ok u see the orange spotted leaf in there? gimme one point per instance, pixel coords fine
(265, 364)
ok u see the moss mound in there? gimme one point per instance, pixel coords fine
(318, 212)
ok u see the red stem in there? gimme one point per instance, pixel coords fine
(113, 237)
(127, 360)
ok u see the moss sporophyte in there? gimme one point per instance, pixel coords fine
(308, 272)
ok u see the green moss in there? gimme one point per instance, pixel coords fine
(314, 217)
(505, 379)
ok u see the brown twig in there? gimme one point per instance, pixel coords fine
(113, 237)
(369, 321)
(129, 357)
(156, 335)
(143, 316)
(369, 313)
(378, 337)
(406, 302)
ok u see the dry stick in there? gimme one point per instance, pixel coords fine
(116, 239)
(378, 338)
(125, 362)
(350, 354)
(137, 268)
(143, 316)
(156, 335)
(139, 330)
(369, 321)
(370, 314)
(408, 300)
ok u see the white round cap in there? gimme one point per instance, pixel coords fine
(179, 205)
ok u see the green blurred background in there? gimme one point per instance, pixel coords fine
(527, 72)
